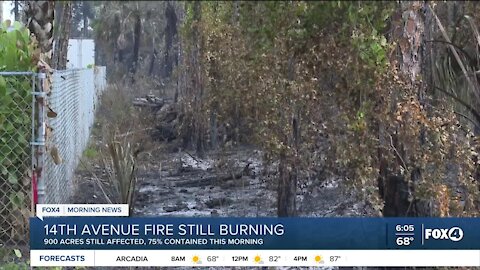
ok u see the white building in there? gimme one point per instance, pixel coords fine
(81, 53)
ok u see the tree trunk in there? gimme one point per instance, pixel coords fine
(214, 127)
(61, 46)
(16, 10)
(152, 62)
(237, 125)
(181, 78)
(287, 186)
(288, 167)
(136, 45)
(85, 19)
(170, 34)
(40, 16)
(408, 31)
(197, 86)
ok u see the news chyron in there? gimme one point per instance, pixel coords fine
(106, 235)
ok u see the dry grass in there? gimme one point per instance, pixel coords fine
(121, 134)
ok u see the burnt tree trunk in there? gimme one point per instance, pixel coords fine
(136, 45)
(170, 35)
(237, 121)
(408, 30)
(152, 61)
(287, 188)
(197, 84)
(179, 58)
(288, 167)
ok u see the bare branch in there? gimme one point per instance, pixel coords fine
(404, 165)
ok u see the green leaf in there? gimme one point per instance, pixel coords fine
(17, 198)
(4, 170)
(383, 41)
(9, 127)
(18, 253)
(18, 25)
(12, 179)
(21, 139)
(3, 87)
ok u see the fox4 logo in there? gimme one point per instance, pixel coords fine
(454, 234)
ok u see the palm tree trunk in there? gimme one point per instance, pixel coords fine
(40, 15)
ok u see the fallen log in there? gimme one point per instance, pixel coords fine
(211, 180)
(149, 101)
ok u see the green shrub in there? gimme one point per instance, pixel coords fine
(90, 153)
(16, 54)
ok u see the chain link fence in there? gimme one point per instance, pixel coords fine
(42, 138)
(73, 98)
(15, 156)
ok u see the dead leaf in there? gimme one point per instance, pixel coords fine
(56, 155)
(48, 132)
(51, 113)
(47, 85)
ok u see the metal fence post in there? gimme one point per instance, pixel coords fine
(40, 140)
(33, 190)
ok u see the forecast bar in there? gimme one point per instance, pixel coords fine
(311, 258)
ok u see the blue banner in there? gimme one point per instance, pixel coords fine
(106, 233)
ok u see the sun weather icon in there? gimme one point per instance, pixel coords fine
(196, 259)
(319, 259)
(258, 260)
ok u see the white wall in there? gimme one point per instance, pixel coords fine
(5, 14)
(81, 53)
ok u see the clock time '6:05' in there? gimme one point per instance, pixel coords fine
(404, 228)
